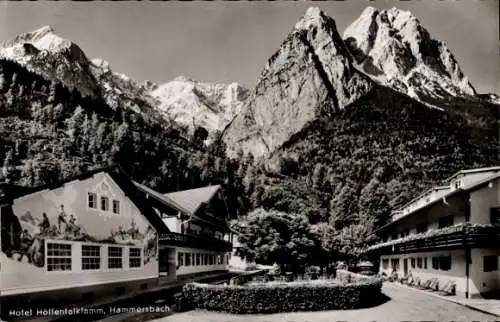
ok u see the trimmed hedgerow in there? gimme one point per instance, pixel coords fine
(285, 297)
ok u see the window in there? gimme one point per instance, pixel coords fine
(134, 257)
(395, 263)
(58, 257)
(188, 259)
(385, 263)
(446, 221)
(490, 263)
(116, 207)
(419, 262)
(445, 263)
(204, 259)
(412, 262)
(425, 262)
(457, 184)
(91, 257)
(92, 200)
(198, 262)
(219, 260)
(115, 255)
(495, 216)
(422, 227)
(104, 203)
(180, 258)
(435, 262)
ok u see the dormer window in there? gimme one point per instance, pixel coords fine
(457, 184)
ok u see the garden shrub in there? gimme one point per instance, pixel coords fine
(283, 297)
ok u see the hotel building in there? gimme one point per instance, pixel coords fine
(450, 233)
(87, 237)
(199, 240)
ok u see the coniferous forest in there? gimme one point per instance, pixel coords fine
(326, 189)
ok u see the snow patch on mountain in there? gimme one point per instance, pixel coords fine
(45, 53)
(394, 44)
(191, 103)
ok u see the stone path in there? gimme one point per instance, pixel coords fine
(483, 305)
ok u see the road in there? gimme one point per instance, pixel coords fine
(402, 305)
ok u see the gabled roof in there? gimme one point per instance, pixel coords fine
(161, 198)
(420, 196)
(186, 201)
(193, 199)
(468, 171)
(468, 188)
(9, 192)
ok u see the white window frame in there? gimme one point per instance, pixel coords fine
(116, 203)
(135, 257)
(180, 259)
(99, 256)
(47, 256)
(96, 200)
(101, 199)
(114, 257)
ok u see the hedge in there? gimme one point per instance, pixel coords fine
(284, 297)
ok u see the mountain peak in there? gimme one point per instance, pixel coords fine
(392, 47)
(43, 38)
(44, 30)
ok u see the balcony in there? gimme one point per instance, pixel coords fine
(192, 241)
(459, 236)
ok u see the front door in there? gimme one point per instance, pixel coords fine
(405, 266)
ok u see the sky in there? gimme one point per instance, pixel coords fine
(227, 42)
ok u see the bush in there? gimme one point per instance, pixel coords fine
(283, 297)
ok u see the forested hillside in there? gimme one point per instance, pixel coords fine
(48, 133)
(378, 153)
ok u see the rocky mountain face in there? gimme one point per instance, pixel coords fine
(180, 102)
(315, 73)
(312, 67)
(344, 130)
(393, 48)
(192, 104)
(56, 59)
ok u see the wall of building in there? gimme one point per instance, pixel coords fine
(481, 281)
(28, 265)
(192, 269)
(238, 262)
(455, 206)
(456, 272)
(482, 200)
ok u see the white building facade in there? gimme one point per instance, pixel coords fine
(199, 241)
(450, 233)
(78, 239)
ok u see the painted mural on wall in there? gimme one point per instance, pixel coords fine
(65, 214)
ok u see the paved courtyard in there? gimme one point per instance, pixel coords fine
(403, 305)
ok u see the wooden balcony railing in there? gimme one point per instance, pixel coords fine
(459, 236)
(192, 241)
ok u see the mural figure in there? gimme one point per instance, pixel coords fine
(150, 245)
(45, 224)
(61, 220)
(23, 236)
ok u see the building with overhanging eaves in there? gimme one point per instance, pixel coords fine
(199, 240)
(450, 233)
(88, 236)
